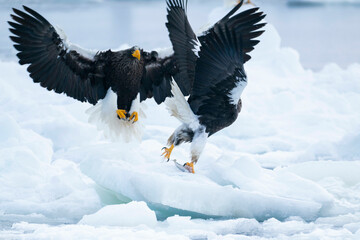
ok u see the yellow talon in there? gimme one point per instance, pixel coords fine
(189, 167)
(135, 116)
(167, 151)
(121, 113)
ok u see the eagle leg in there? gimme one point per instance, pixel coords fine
(121, 113)
(134, 116)
(167, 152)
(189, 167)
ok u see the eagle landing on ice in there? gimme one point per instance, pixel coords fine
(218, 78)
(121, 78)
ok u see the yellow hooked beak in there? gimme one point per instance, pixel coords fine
(136, 54)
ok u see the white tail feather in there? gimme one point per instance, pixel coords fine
(104, 116)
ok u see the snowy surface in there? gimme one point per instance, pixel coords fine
(324, 1)
(288, 168)
(128, 215)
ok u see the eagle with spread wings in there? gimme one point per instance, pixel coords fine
(132, 74)
(216, 74)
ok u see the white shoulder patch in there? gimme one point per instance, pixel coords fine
(196, 43)
(236, 92)
(70, 46)
(104, 116)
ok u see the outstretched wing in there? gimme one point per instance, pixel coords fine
(180, 64)
(220, 76)
(245, 24)
(185, 44)
(53, 63)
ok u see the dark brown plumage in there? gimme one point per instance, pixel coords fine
(87, 76)
(217, 75)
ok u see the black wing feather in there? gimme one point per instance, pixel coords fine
(244, 24)
(180, 66)
(53, 65)
(184, 43)
(225, 47)
(224, 50)
(157, 78)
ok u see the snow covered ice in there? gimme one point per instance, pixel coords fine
(288, 168)
(324, 1)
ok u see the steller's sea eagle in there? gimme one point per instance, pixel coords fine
(132, 74)
(218, 77)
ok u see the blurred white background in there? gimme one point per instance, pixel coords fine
(322, 31)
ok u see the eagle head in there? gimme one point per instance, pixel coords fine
(136, 52)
